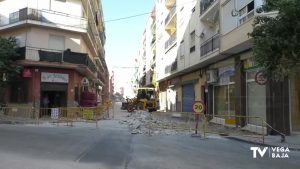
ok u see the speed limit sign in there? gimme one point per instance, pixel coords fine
(198, 107)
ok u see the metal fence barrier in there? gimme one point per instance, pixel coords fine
(236, 126)
(67, 115)
(206, 124)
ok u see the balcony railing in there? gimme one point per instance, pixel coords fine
(205, 4)
(246, 17)
(171, 41)
(153, 40)
(210, 45)
(46, 16)
(49, 55)
(170, 15)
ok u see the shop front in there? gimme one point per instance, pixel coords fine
(190, 91)
(163, 95)
(54, 89)
(256, 93)
(224, 94)
(172, 94)
(295, 105)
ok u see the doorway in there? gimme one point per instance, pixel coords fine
(55, 99)
(53, 95)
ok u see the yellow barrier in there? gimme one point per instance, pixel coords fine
(55, 115)
(206, 124)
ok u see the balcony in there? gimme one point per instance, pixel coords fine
(153, 28)
(171, 68)
(153, 62)
(43, 17)
(210, 45)
(209, 11)
(170, 3)
(52, 19)
(54, 56)
(238, 39)
(205, 4)
(171, 41)
(170, 15)
(153, 40)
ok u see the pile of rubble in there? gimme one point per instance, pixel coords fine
(146, 123)
(142, 122)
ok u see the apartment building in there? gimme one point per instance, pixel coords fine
(62, 50)
(204, 53)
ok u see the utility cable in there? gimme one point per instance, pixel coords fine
(141, 14)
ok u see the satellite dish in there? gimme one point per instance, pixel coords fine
(259, 10)
(234, 13)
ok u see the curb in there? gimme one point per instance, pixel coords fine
(15, 122)
(261, 144)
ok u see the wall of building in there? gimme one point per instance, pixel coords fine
(9, 6)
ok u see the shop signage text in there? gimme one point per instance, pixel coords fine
(54, 77)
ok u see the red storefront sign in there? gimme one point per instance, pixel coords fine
(26, 73)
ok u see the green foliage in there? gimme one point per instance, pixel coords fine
(277, 38)
(8, 54)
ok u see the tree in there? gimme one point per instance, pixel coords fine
(277, 38)
(8, 54)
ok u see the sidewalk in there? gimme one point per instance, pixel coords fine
(292, 142)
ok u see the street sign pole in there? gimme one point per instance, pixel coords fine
(198, 108)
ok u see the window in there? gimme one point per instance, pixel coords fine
(193, 10)
(246, 13)
(56, 42)
(192, 49)
(181, 50)
(192, 41)
(61, 0)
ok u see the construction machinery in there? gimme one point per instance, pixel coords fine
(146, 99)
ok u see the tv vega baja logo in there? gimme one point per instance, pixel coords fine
(274, 152)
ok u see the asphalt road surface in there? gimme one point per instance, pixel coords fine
(111, 146)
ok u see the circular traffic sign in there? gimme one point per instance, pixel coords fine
(198, 107)
(260, 78)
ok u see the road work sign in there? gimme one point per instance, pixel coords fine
(198, 107)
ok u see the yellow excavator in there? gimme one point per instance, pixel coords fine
(146, 99)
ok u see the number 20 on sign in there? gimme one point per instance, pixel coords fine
(198, 107)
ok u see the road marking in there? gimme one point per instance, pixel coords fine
(85, 152)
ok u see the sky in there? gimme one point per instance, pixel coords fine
(123, 36)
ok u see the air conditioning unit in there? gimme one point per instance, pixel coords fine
(212, 76)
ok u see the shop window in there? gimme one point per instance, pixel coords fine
(224, 100)
(19, 92)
